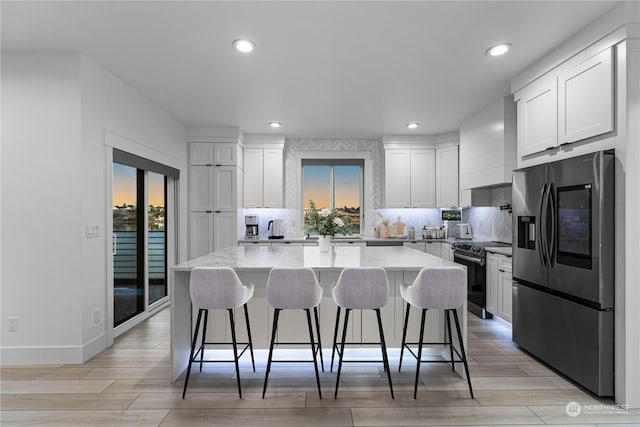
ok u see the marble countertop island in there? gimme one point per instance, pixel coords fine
(246, 258)
(253, 263)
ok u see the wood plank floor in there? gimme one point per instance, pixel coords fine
(127, 385)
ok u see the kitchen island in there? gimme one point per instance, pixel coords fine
(253, 263)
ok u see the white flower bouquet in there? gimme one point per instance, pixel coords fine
(325, 222)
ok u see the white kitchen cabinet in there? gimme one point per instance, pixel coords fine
(567, 105)
(225, 188)
(201, 188)
(254, 244)
(499, 286)
(492, 282)
(505, 284)
(214, 190)
(410, 178)
(397, 178)
(224, 229)
(200, 233)
(214, 153)
(420, 246)
(585, 99)
(537, 106)
(447, 251)
(434, 248)
(447, 190)
(423, 178)
(263, 178)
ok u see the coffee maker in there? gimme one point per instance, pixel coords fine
(251, 224)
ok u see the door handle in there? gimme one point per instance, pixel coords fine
(114, 244)
(541, 226)
(552, 213)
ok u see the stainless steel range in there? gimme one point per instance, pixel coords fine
(472, 255)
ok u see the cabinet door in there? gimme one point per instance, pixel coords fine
(420, 246)
(506, 295)
(201, 153)
(253, 177)
(492, 283)
(423, 178)
(273, 179)
(224, 230)
(201, 188)
(200, 233)
(225, 154)
(447, 252)
(585, 99)
(434, 248)
(538, 116)
(447, 177)
(224, 195)
(397, 178)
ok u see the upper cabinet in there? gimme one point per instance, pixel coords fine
(568, 104)
(585, 99)
(264, 171)
(447, 177)
(214, 154)
(410, 178)
(420, 173)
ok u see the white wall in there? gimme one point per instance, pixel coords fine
(110, 105)
(57, 109)
(41, 207)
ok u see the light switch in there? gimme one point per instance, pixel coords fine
(92, 230)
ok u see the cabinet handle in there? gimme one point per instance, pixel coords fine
(209, 164)
(508, 256)
(209, 211)
(551, 148)
(501, 271)
(565, 143)
(218, 211)
(218, 164)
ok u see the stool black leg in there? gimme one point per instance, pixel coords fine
(335, 337)
(341, 353)
(315, 313)
(464, 355)
(313, 351)
(193, 348)
(404, 335)
(447, 318)
(246, 318)
(383, 346)
(235, 350)
(204, 336)
(276, 313)
(415, 386)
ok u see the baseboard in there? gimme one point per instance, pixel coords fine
(94, 347)
(41, 355)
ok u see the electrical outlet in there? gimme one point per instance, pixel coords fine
(13, 324)
(97, 316)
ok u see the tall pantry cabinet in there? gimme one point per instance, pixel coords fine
(215, 194)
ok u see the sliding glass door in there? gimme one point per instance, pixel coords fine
(128, 243)
(140, 234)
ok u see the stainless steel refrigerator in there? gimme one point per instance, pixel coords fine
(563, 267)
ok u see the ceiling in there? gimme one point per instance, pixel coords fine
(324, 69)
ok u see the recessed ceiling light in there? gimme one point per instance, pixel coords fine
(413, 125)
(499, 49)
(244, 46)
(275, 124)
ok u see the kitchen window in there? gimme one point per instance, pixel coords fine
(335, 183)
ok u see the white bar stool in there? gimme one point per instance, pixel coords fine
(294, 288)
(213, 288)
(441, 288)
(360, 288)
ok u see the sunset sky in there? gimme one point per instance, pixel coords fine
(317, 185)
(124, 186)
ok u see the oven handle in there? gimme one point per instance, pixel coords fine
(468, 258)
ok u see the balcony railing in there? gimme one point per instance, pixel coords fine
(124, 260)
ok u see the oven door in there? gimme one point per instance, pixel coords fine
(476, 283)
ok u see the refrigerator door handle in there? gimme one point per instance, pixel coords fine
(542, 226)
(552, 214)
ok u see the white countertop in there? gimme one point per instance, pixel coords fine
(343, 239)
(504, 250)
(267, 257)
